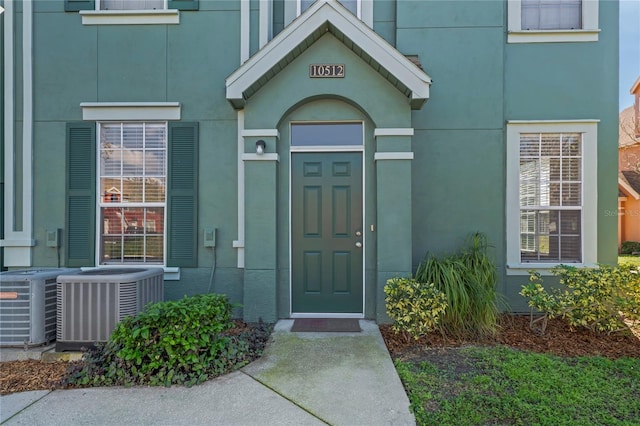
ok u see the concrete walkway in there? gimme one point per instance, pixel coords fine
(302, 379)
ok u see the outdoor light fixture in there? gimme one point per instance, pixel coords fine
(260, 147)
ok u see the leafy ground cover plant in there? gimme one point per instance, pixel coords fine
(177, 342)
(468, 279)
(599, 299)
(416, 308)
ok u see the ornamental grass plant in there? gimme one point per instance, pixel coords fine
(468, 279)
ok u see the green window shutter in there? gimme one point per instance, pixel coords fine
(76, 5)
(80, 194)
(182, 195)
(183, 4)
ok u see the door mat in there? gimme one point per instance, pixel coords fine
(315, 325)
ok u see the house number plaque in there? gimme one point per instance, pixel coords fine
(326, 70)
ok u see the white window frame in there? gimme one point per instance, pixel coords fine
(162, 16)
(588, 33)
(589, 207)
(143, 204)
(131, 111)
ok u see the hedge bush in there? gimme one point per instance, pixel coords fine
(416, 308)
(598, 299)
(175, 342)
(630, 247)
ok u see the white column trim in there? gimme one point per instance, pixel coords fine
(366, 12)
(27, 120)
(9, 104)
(245, 29)
(18, 244)
(239, 243)
(393, 156)
(388, 131)
(266, 19)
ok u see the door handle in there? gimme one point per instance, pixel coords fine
(358, 244)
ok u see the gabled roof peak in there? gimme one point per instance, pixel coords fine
(328, 16)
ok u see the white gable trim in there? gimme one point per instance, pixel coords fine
(355, 30)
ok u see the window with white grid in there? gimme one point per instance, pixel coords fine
(132, 186)
(552, 21)
(551, 14)
(551, 197)
(551, 194)
(131, 4)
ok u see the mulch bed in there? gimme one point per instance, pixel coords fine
(20, 376)
(515, 331)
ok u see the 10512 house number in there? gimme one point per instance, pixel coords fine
(326, 70)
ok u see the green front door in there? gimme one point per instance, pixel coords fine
(326, 222)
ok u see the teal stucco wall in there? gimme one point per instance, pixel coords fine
(455, 185)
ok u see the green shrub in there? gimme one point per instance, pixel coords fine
(595, 298)
(415, 308)
(468, 279)
(176, 342)
(630, 247)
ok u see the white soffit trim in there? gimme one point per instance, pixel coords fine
(393, 132)
(130, 17)
(393, 156)
(303, 27)
(628, 189)
(128, 111)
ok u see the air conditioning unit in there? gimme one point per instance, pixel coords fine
(28, 306)
(92, 302)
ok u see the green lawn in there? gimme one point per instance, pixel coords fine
(499, 385)
(633, 260)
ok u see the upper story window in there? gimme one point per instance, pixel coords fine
(551, 14)
(130, 12)
(544, 21)
(131, 4)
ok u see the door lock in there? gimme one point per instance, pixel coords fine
(358, 233)
(358, 244)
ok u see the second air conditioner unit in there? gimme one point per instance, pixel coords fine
(92, 302)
